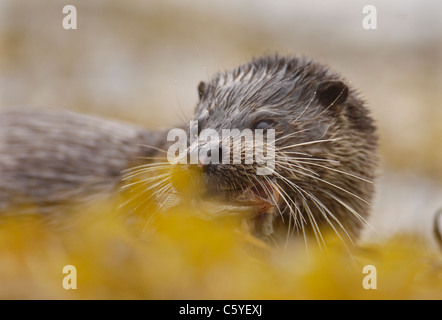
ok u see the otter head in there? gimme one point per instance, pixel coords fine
(324, 146)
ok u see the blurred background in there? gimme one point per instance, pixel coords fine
(141, 61)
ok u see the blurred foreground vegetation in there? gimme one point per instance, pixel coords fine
(179, 256)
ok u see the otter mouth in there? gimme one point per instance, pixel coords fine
(261, 204)
(263, 197)
(256, 203)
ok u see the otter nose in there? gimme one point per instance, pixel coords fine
(209, 157)
(201, 161)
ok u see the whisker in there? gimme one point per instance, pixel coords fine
(336, 170)
(151, 147)
(314, 225)
(295, 188)
(321, 207)
(147, 171)
(284, 153)
(292, 215)
(335, 186)
(161, 184)
(309, 143)
(144, 181)
(354, 212)
(290, 134)
(280, 163)
(151, 158)
(145, 167)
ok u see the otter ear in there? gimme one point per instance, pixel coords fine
(202, 89)
(332, 93)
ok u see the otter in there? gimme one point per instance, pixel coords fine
(325, 150)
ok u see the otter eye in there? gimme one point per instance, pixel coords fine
(263, 125)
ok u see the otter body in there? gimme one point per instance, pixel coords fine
(325, 149)
(50, 158)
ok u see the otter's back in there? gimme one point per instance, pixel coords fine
(48, 157)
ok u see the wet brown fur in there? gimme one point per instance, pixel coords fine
(299, 95)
